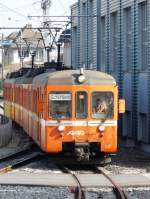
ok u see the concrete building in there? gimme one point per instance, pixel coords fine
(114, 36)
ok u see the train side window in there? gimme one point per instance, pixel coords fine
(81, 105)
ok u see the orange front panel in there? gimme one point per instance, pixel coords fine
(55, 139)
(89, 90)
(107, 140)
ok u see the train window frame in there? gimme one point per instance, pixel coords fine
(49, 105)
(87, 96)
(91, 106)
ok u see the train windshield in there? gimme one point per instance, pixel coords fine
(60, 105)
(102, 105)
(81, 105)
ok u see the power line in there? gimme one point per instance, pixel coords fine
(17, 28)
(59, 21)
(12, 10)
(61, 16)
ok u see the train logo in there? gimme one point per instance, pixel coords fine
(78, 133)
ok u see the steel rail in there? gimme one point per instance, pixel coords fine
(25, 160)
(13, 155)
(120, 194)
(79, 191)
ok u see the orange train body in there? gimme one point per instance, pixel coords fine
(34, 102)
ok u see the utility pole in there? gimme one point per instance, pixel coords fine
(59, 44)
(45, 6)
(48, 54)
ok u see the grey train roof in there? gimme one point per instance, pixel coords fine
(69, 77)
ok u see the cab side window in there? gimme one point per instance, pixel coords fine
(102, 105)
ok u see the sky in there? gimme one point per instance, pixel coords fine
(13, 13)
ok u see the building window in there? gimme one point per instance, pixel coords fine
(143, 34)
(39, 54)
(113, 35)
(143, 125)
(74, 47)
(91, 38)
(103, 58)
(128, 123)
(84, 34)
(23, 53)
(128, 38)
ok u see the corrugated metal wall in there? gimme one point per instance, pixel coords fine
(88, 36)
(147, 137)
(124, 29)
(74, 30)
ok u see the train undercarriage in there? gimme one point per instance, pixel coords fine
(85, 153)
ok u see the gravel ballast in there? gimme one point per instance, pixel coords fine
(126, 161)
(19, 192)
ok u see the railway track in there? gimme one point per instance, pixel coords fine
(26, 156)
(18, 159)
(120, 193)
(79, 192)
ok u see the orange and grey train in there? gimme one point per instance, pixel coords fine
(73, 111)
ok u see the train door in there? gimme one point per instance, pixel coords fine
(30, 111)
(10, 100)
(23, 105)
(16, 103)
(39, 112)
(20, 105)
(34, 115)
(13, 104)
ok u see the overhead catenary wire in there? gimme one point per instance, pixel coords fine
(34, 28)
(60, 16)
(12, 10)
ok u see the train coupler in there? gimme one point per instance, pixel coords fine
(82, 151)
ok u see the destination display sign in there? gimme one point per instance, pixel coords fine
(60, 97)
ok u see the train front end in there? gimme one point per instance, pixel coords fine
(82, 115)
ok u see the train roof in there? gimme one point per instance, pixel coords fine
(70, 77)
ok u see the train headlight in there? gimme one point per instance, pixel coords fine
(61, 128)
(81, 79)
(101, 128)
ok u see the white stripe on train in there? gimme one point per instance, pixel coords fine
(79, 123)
